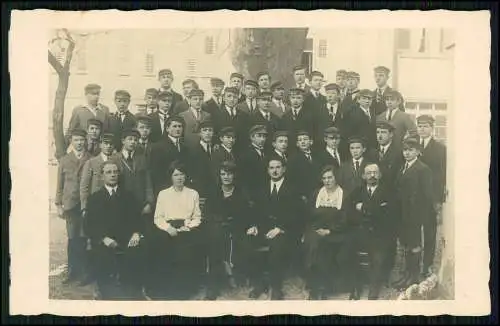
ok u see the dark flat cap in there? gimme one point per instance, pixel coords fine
(79, 132)
(189, 81)
(277, 85)
(263, 73)
(357, 139)
(122, 93)
(233, 90)
(216, 82)
(151, 91)
(352, 74)
(425, 118)
(341, 72)
(382, 69)
(258, 129)
(207, 123)
(303, 133)
(382, 124)
(143, 118)
(164, 95)
(251, 83)
(196, 92)
(296, 91)
(264, 95)
(332, 87)
(280, 133)
(392, 93)
(298, 67)
(317, 73)
(411, 143)
(332, 131)
(227, 131)
(94, 122)
(165, 72)
(130, 132)
(237, 75)
(365, 93)
(175, 118)
(108, 138)
(92, 87)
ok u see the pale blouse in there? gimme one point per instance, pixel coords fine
(325, 199)
(177, 205)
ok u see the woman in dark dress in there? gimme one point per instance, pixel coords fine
(228, 214)
(324, 235)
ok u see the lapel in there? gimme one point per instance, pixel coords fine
(130, 168)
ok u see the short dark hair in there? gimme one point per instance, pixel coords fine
(176, 165)
(109, 162)
(228, 166)
(175, 119)
(329, 168)
(276, 158)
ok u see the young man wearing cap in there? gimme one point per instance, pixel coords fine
(360, 121)
(68, 202)
(236, 81)
(253, 159)
(351, 170)
(215, 103)
(352, 90)
(122, 119)
(264, 81)
(151, 100)
(263, 116)
(299, 75)
(192, 118)
(381, 74)
(329, 114)
(160, 117)
(434, 156)
(340, 79)
(249, 106)
(91, 182)
(278, 105)
(403, 123)
(94, 130)
(187, 86)
(329, 154)
(91, 110)
(144, 144)
(415, 203)
(304, 166)
(314, 99)
(166, 78)
(225, 150)
(298, 117)
(280, 145)
(166, 151)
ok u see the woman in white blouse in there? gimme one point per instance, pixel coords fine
(177, 259)
(324, 234)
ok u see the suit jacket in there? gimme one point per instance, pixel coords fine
(200, 170)
(176, 97)
(325, 158)
(117, 218)
(253, 167)
(306, 120)
(218, 156)
(325, 120)
(156, 127)
(242, 98)
(117, 126)
(351, 99)
(378, 104)
(415, 198)
(91, 180)
(304, 174)
(349, 178)
(211, 106)
(278, 111)
(163, 153)
(390, 164)
(403, 124)
(94, 148)
(271, 153)
(357, 123)
(377, 214)
(81, 115)
(243, 106)
(315, 103)
(136, 178)
(240, 123)
(191, 136)
(434, 156)
(306, 88)
(181, 106)
(273, 124)
(69, 174)
(145, 150)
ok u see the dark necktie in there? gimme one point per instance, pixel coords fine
(177, 145)
(381, 153)
(379, 95)
(406, 167)
(295, 114)
(268, 117)
(308, 157)
(129, 160)
(209, 150)
(422, 144)
(389, 114)
(356, 166)
(164, 126)
(370, 191)
(335, 157)
(274, 192)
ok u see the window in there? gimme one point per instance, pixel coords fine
(149, 63)
(191, 68)
(403, 39)
(209, 45)
(425, 106)
(322, 49)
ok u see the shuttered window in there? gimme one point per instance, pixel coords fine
(209, 45)
(149, 63)
(191, 68)
(322, 49)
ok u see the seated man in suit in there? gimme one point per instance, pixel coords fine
(280, 145)
(371, 207)
(94, 131)
(415, 204)
(115, 226)
(404, 126)
(329, 155)
(187, 86)
(278, 105)
(278, 226)
(151, 99)
(192, 118)
(434, 156)
(215, 102)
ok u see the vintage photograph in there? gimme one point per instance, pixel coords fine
(250, 164)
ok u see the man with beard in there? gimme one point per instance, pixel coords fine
(122, 119)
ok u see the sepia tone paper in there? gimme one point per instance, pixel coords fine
(468, 157)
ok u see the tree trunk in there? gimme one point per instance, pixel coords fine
(276, 50)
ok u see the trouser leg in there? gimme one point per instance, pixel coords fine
(430, 230)
(377, 270)
(75, 251)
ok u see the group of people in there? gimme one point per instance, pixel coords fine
(249, 187)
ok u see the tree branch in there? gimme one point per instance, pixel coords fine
(55, 64)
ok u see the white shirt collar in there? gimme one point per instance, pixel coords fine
(382, 89)
(162, 114)
(173, 139)
(196, 113)
(372, 188)
(109, 189)
(360, 160)
(279, 153)
(265, 113)
(125, 154)
(297, 109)
(332, 151)
(410, 163)
(278, 184)
(426, 141)
(366, 111)
(227, 149)
(385, 147)
(105, 157)
(230, 110)
(78, 155)
(204, 145)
